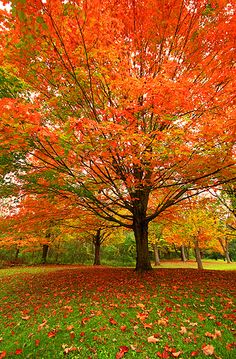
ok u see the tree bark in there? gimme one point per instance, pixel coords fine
(225, 247)
(17, 253)
(183, 256)
(141, 238)
(198, 255)
(226, 252)
(97, 246)
(45, 253)
(156, 255)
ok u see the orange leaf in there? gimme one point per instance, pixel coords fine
(122, 351)
(70, 327)
(113, 321)
(208, 349)
(176, 354)
(152, 339)
(51, 334)
(147, 325)
(183, 330)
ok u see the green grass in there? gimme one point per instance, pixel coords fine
(207, 264)
(101, 312)
(32, 270)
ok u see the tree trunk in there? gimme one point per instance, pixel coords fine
(97, 246)
(225, 247)
(45, 253)
(176, 250)
(156, 255)
(226, 252)
(141, 238)
(183, 256)
(198, 256)
(17, 253)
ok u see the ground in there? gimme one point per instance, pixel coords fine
(102, 312)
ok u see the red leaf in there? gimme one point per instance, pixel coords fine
(51, 334)
(230, 346)
(113, 321)
(84, 321)
(123, 328)
(3, 354)
(37, 341)
(194, 353)
(18, 351)
(72, 335)
(164, 355)
(122, 351)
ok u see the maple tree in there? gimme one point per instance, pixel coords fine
(39, 222)
(226, 210)
(132, 107)
(197, 226)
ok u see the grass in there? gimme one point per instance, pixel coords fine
(207, 264)
(102, 312)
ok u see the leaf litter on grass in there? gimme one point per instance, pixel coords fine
(114, 313)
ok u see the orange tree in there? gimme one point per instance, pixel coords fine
(135, 101)
(37, 221)
(225, 208)
(197, 226)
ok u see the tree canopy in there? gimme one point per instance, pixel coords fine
(132, 105)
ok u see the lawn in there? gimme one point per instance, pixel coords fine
(102, 312)
(207, 264)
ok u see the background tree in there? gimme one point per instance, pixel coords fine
(136, 103)
(225, 208)
(197, 226)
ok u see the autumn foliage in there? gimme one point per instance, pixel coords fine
(132, 107)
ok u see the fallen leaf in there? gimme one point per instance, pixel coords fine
(113, 321)
(52, 334)
(208, 349)
(40, 327)
(85, 320)
(69, 350)
(163, 355)
(70, 327)
(3, 354)
(152, 339)
(18, 351)
(163, 321)
(123, 328)
(25, 317)
(122, 351)
(142, 316)
(147, 325)
(183, 330)
(72, 335)
(230, 346)
(176, 354)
